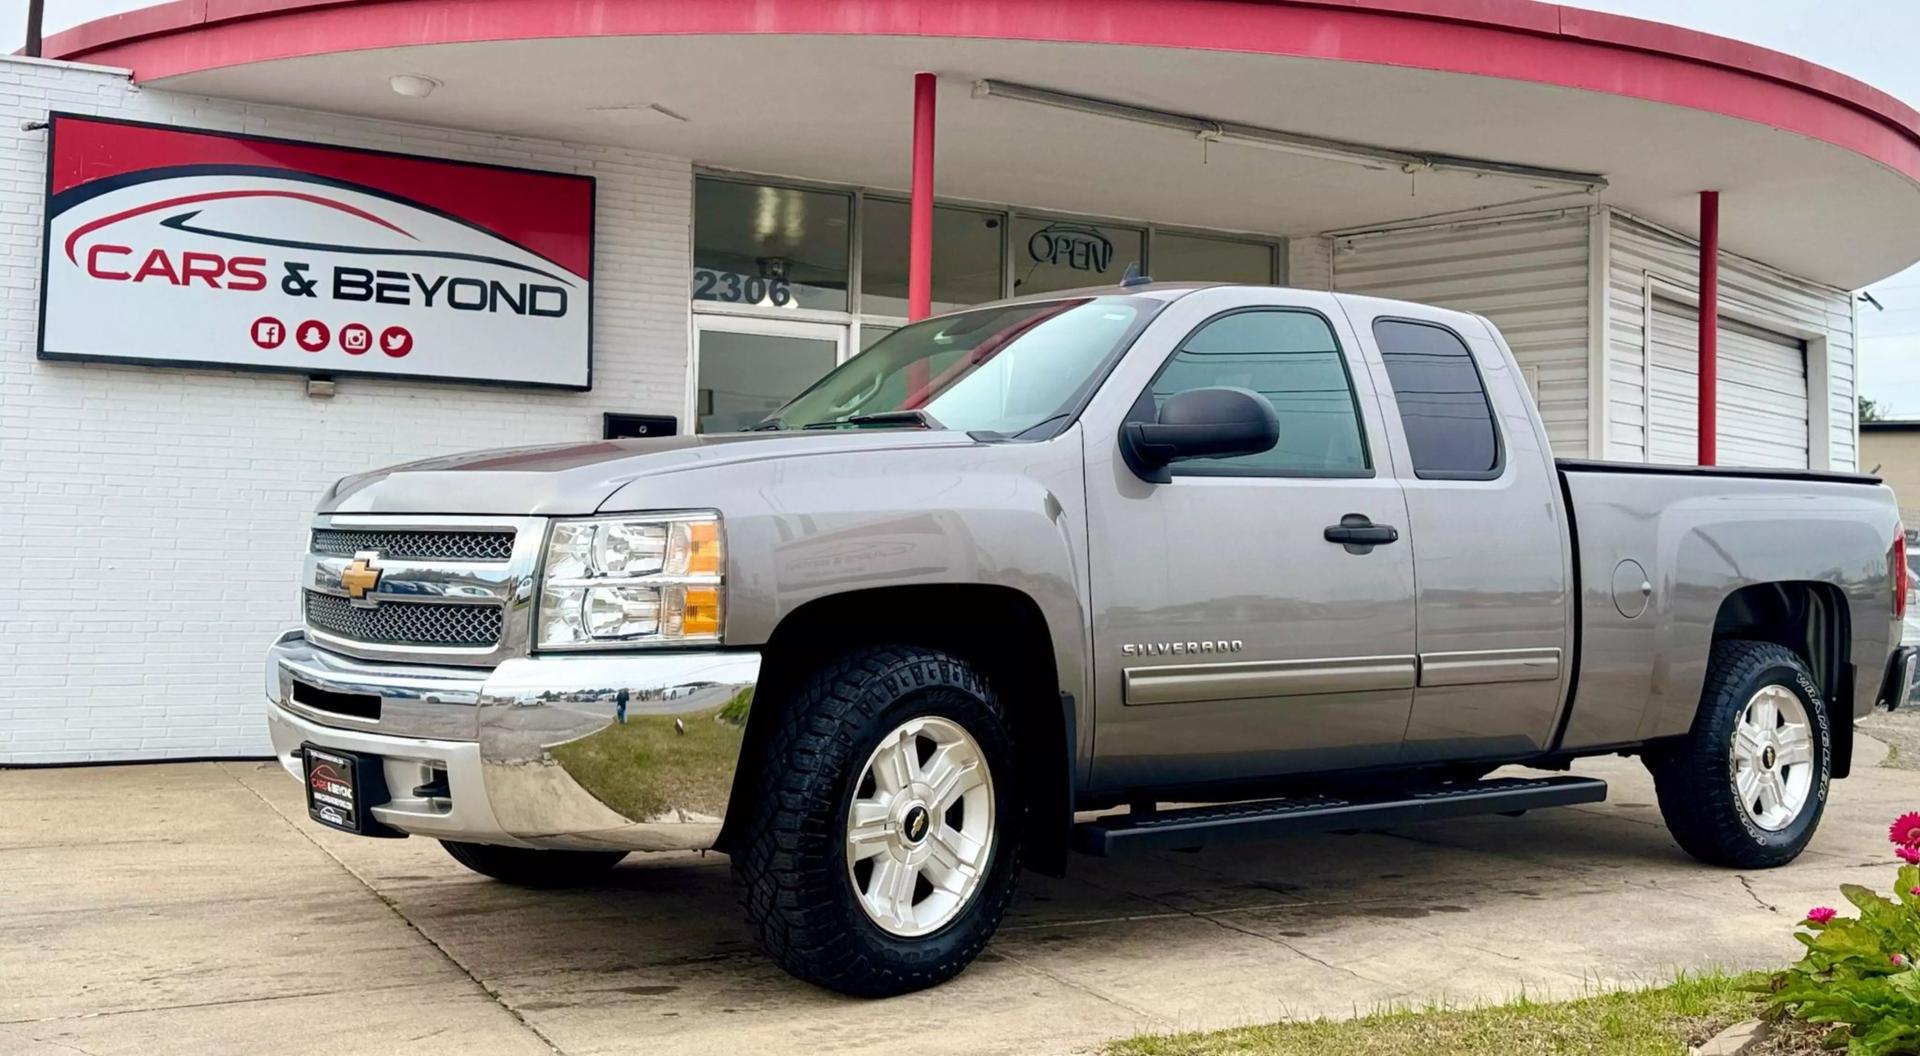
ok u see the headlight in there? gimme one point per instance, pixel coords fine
(608, 581)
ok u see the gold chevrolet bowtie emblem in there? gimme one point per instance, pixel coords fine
(360, 577)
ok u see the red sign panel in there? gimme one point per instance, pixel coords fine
(188, 248)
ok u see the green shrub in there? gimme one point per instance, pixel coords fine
(1858, 973)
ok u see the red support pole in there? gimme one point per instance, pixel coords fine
(1709, 324)
(920, 226)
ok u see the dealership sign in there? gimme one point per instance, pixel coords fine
(188, 248)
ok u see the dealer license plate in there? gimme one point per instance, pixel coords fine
(334, 787)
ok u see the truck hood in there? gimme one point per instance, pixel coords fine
(575, 479)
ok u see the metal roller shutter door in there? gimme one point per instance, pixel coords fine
(1763, 392)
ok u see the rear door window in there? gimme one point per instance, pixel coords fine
(1443, 404)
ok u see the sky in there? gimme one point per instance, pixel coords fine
(1872, 40)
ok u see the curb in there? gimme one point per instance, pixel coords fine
(1734, 1040)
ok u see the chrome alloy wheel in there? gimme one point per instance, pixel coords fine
(1772, 757)
(920, 829)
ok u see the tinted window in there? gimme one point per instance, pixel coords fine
(776, 247)
(1443, 406)
(1292, 359)
(1194, 258)
(1053, 255)
(967, 262)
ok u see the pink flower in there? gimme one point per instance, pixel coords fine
(1906, 829)
(1909, 855)
(1820, 914)
(1914, 891)
(1899, 960)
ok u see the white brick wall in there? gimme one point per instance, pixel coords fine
(152, 520)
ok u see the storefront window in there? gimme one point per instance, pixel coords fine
(775, 247)
(1191, 258)
(767, 251)
(966, 257)
(1066, 254)
(745, 376)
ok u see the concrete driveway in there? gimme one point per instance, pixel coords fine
(193, 908)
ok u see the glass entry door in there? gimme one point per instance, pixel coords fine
(744, 369)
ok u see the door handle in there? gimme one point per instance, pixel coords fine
(1359, 534)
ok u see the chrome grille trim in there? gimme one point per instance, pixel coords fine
(405, 622)
(505, 587)
(415, 546)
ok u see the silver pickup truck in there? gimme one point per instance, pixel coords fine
(1019, 578)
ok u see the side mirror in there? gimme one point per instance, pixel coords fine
(1199, 423)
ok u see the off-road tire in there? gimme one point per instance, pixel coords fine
(1693, 776)
(528, 867)
(790, 867)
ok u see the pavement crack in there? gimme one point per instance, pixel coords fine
(1747, 885)
(1282, 943)
(61, 1044)
(222, 1003)
(1285, 945)
(394, 908)
(1098, 995)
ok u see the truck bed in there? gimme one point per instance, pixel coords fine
(1659, 551)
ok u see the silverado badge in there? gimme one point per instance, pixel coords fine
(360, 577)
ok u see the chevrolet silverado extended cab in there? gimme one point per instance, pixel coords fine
(1302, 559)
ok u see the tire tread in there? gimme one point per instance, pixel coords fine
(1691, 778)
(781, 870)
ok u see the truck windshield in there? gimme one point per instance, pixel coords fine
(1003, 370)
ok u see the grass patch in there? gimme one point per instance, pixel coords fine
(648, 764)
(1657, 1022)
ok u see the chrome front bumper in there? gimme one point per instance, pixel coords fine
(635, 751)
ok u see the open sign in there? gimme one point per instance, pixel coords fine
(1077, 246)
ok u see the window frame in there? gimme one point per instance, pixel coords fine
(1142, 408)
(1486, 396)
(853, 196)
(1002, 213)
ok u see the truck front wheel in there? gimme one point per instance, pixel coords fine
(529, 867)
(1746, 786)
(884, 837)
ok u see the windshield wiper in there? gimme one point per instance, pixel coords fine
(770, 425)
(909, 416)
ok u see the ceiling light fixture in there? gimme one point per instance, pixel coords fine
(1379, 159)
(412, 85)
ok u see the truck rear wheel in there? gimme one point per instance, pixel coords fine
(529, 867)
(1746, 787)
(884, 837)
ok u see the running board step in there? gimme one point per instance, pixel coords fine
(1264, 819)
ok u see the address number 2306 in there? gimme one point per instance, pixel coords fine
(735, 288)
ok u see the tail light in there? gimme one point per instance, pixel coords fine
(1899, 573)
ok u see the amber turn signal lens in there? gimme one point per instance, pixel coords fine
(703, 550)
(702, 612)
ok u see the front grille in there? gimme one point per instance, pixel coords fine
(405, 622)
(415, 546)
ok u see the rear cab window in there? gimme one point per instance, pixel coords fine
(1444, 409)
